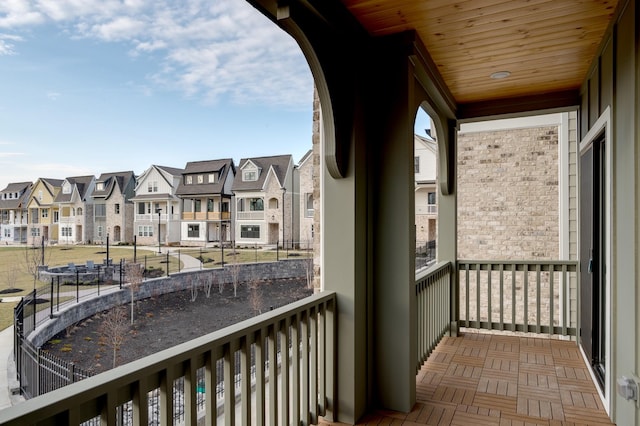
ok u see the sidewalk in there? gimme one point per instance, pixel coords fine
(8, 379)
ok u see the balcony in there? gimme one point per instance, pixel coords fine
(476, 378)
(428, 209)
(150, 217)
(250, 215)
(206, 215)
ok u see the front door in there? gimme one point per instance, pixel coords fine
(592, 256)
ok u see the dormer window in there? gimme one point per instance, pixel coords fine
(100, 186)
(66, 189)
(188, 180)
(40, 195)
(249, 175)
(212, 177)
(200, 179)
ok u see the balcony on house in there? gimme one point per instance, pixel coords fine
(474, 378)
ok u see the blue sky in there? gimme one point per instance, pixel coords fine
(93, 86)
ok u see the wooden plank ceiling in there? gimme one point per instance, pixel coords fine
(546, 45)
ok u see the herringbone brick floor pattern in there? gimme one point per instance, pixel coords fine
(487, 379)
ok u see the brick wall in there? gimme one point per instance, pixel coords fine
(508, 194)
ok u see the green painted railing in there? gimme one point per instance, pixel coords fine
(524, 296)
(433, 294)
(296, 389)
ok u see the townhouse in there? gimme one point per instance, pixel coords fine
(205, 199)
(309, 193)
(113, 208)
(14, 213)
(43, 212)
(424, 168)
(75, 207)
(264, 199)
(157, 207)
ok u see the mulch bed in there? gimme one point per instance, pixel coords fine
(170, 319)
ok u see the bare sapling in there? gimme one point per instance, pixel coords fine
(135, 275)
(209, 283)
(255, 294)
(234, 272)
(114, 330)
(193, 287)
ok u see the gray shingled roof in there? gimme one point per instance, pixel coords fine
(82, 183)
(221, 167)
(15, 203)
(110, 180)
(279, 163)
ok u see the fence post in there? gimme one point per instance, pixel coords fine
(178, 261)
(58, 294)
(277, 250)
(121, 277)
(33, 301)
(71, 368)
(37, 384)
(222, 247)
(167, 262)
(77, 286)
(51, 300)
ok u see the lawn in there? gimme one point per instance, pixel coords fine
(14, 272)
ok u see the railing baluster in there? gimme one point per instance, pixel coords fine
(330, 360)
(284, 371)
(273, 376)
(190, 393)
(166, 396)
(308, 362)
(551, 300)
(501, 269)
(295, 370)
(489, 318)
(140, 403)
(229, 384)
(538, 292)
(468, 302)
(321, 345)
(478, 291)
(314, 364)
(245, 383)
(513, 297)
(210, 386)
(566, 311)
(258, 349)
(526, 298)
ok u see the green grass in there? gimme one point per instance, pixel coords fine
(212, 257)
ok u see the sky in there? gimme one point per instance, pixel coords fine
(95, 86)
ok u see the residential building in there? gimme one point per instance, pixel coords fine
(375, 64)
(75, 205)
(264, 199)
(205, 194)
(157, 208)
(14, 213)
(43, 212)
(424, 168)
(306, 172)
(113, 208)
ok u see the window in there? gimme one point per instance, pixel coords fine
(152, 186)
(273, 203)
(256, 204)
(416, 164)
(308, 197)
(431, 198)
(99, 231)
(249, 175)
(225, 207)
(7, 232)
(79, 211)
(141, 208)
(116, 208)
(145, 231)
(35, 232)
(65, 231)
(209, 205)
(45, 213)
(66, 188)
(250, 231)
(100, 186)
(193, 230)
(100, 210)
(212, 178)
(40, 195)
(56, 216)
(200, 179)
(197, 204)
(188, 180)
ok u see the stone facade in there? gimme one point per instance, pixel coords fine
(508, 194)
(315, 142)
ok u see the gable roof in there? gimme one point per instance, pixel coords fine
(222, 167)
(78, 183)
(308, 155)
(279, 164)
(111, 181)
(24, 191)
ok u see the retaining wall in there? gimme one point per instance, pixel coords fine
(71, 314)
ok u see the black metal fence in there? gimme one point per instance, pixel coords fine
(425, 253)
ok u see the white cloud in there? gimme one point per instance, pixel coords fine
(6, 43)
(53, 95)
(207, 49)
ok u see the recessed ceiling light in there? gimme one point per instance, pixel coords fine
(500, 75)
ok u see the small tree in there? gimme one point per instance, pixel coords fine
(209, 281)
(135, 275)
(308, 268)
(234, 272)
(255, 294)
(35, 256)
(193, 286)
(114, 330)
(11, 276)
